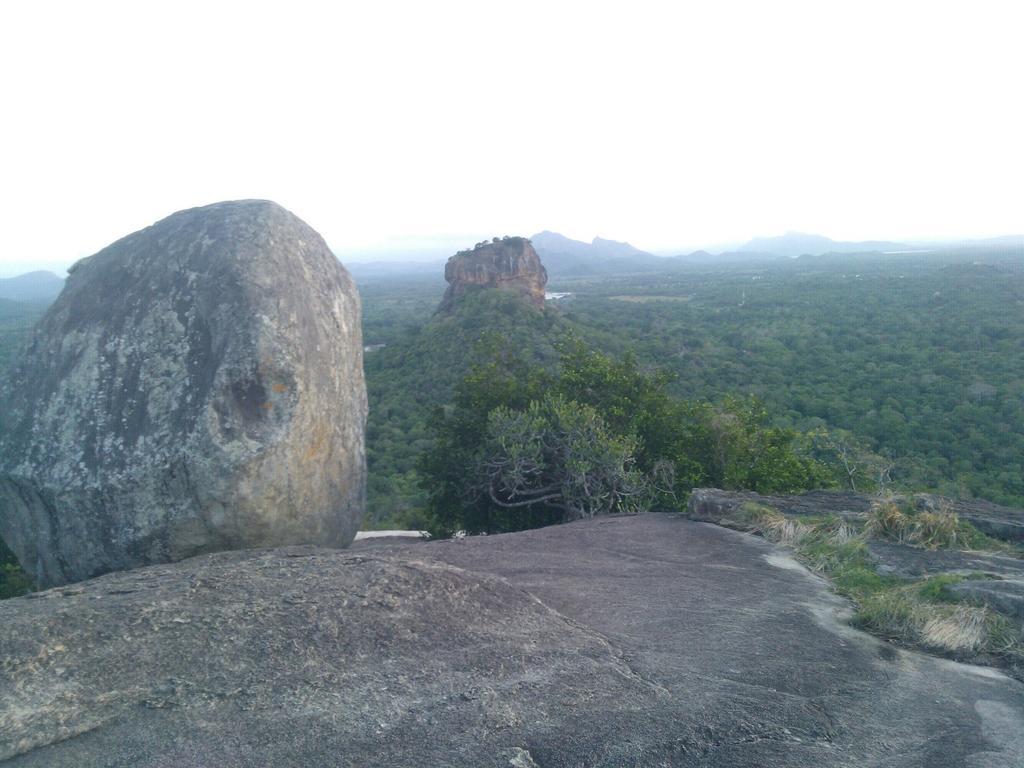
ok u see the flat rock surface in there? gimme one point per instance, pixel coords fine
(912, 562)
(635, 641)
(709, 503)
(1005, 596)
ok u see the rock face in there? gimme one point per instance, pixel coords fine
(1003, 595)
(197, 386)
(622, 641)
(509, 264)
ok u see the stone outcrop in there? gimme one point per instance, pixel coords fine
(909, 562)
(645, 640)
(1005, 596)
(509, 264)
(993, 578)
(197, 386)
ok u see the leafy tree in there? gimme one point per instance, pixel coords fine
(521, 447)
(554, 461)
(747, 453)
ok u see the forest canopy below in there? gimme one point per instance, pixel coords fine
(907, 369)
(904, 369)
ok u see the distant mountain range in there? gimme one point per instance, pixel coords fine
(800, 244)
(793, 244)
(563, 256)
(32, 287)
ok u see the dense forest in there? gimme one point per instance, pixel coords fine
(912, 366)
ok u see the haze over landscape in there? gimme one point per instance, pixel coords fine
(674, 127)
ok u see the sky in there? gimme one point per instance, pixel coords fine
(397, 128)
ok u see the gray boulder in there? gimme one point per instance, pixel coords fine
(1007, 596)
(197, 386)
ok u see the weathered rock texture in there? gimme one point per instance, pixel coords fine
(609, 643)
(197, 386)
(510, 264)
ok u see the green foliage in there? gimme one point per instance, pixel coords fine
(742, 451)
(646, 447)
(416, 373)
(912, 365)
(922, 612)
(921, 360)
(14, 582)
(553, 461)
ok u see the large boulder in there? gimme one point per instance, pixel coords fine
(197, 386)
(509, 264)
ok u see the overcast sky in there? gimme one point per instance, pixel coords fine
(394, 126)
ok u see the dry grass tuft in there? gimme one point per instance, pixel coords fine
(964, 629)
(920, 612)
(888, 519)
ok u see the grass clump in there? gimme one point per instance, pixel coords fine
(14, 582)
(927, 614)
(918, 612)
(897, 520)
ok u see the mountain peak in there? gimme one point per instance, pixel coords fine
(37, 286)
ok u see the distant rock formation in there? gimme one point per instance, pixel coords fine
(509, 264)
(197, 386)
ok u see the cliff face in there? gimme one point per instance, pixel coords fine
(198, 386)
(509, 264)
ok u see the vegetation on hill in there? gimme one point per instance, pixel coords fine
(417, 370)
(903, 371)
(523, 446)
(920, 360)
(16, 321)
(899, 371)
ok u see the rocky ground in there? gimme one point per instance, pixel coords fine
(638, 641)
(983, 565)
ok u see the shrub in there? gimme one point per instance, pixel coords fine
(13, 581)
(556, 461)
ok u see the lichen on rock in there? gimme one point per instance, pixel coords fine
(197, 386)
